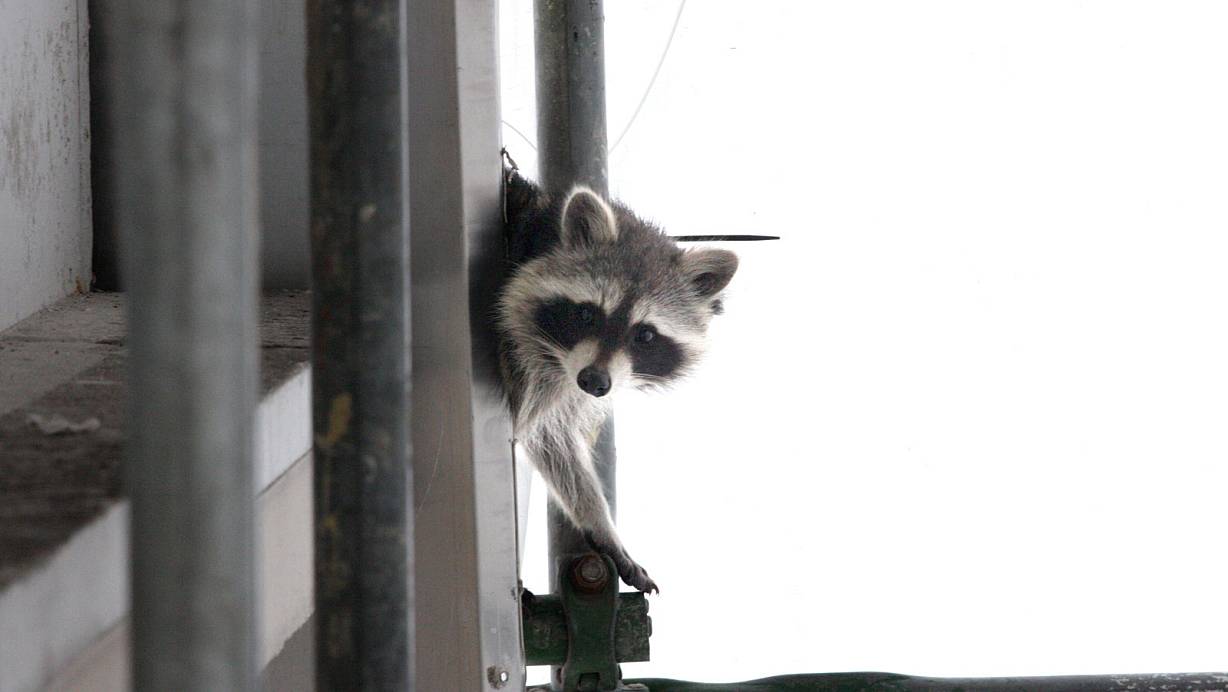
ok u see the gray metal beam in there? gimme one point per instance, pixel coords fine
(569, 43)
(184, 92)
(464, 511)
(360, 358)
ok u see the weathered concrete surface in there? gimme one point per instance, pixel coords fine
(45, 236)
(69, 360)
(285, 554)
(40, 353)
(63, 522)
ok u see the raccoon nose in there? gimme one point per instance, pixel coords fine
(595, 381)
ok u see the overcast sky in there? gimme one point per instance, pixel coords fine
(969, 416)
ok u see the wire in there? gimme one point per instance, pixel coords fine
(522, 135)
(668, 42)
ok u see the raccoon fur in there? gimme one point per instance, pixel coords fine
(597, 300)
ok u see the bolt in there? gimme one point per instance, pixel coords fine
(497, 677)
(589, 573)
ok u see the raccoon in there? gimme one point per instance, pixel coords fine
(597, 300)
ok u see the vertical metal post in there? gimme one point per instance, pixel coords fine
(184, 139)
(569, 45)
(464, 500)
(571, 134)
(360, 331)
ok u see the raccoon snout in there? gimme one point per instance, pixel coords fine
(594, 380)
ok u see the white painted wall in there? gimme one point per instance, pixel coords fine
(45, 228)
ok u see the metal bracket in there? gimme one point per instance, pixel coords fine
(589, 627)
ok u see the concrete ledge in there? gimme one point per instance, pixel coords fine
(64, 582)
(285, 570)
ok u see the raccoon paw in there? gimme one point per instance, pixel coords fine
(628, 570)
(634, 575)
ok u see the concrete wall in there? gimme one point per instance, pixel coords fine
(283, 144)
(282, 121)
(44, 154)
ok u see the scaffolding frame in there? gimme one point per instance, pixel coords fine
(383, 164)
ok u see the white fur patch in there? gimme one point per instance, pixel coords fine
(579, 358)
(693, 342)
(620, 371)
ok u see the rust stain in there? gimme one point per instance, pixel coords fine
(339, 415)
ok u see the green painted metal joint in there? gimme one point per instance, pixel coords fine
(589, 628)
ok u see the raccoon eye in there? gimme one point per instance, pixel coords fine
(645, 335)
(586, 316)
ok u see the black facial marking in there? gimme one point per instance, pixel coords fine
(653, 353)
(567, 323)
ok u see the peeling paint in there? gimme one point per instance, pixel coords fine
(340, 411)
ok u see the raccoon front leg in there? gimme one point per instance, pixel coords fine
(565, 461)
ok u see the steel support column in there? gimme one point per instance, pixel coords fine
(184, 150)
(569, 43)
(464, 511)
(360, 334)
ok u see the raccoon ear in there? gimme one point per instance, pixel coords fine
(709, 270)
(587, 219)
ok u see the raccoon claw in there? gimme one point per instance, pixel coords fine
(631, 573)
(637, 577)
(628, 570)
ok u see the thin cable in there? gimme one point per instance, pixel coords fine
(526, 139)
(668, 42)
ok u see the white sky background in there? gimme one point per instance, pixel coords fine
(969, 417)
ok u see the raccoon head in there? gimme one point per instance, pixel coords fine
(615, 302)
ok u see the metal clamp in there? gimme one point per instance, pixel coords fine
(589, 627)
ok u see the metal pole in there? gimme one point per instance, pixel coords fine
(185, 145)
(360, 361)
(569, 38)
(571, 135)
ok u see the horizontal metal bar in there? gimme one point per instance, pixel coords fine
(890, 682)
(545, 630)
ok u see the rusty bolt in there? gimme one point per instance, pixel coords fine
(497, 677)
(589, 573)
